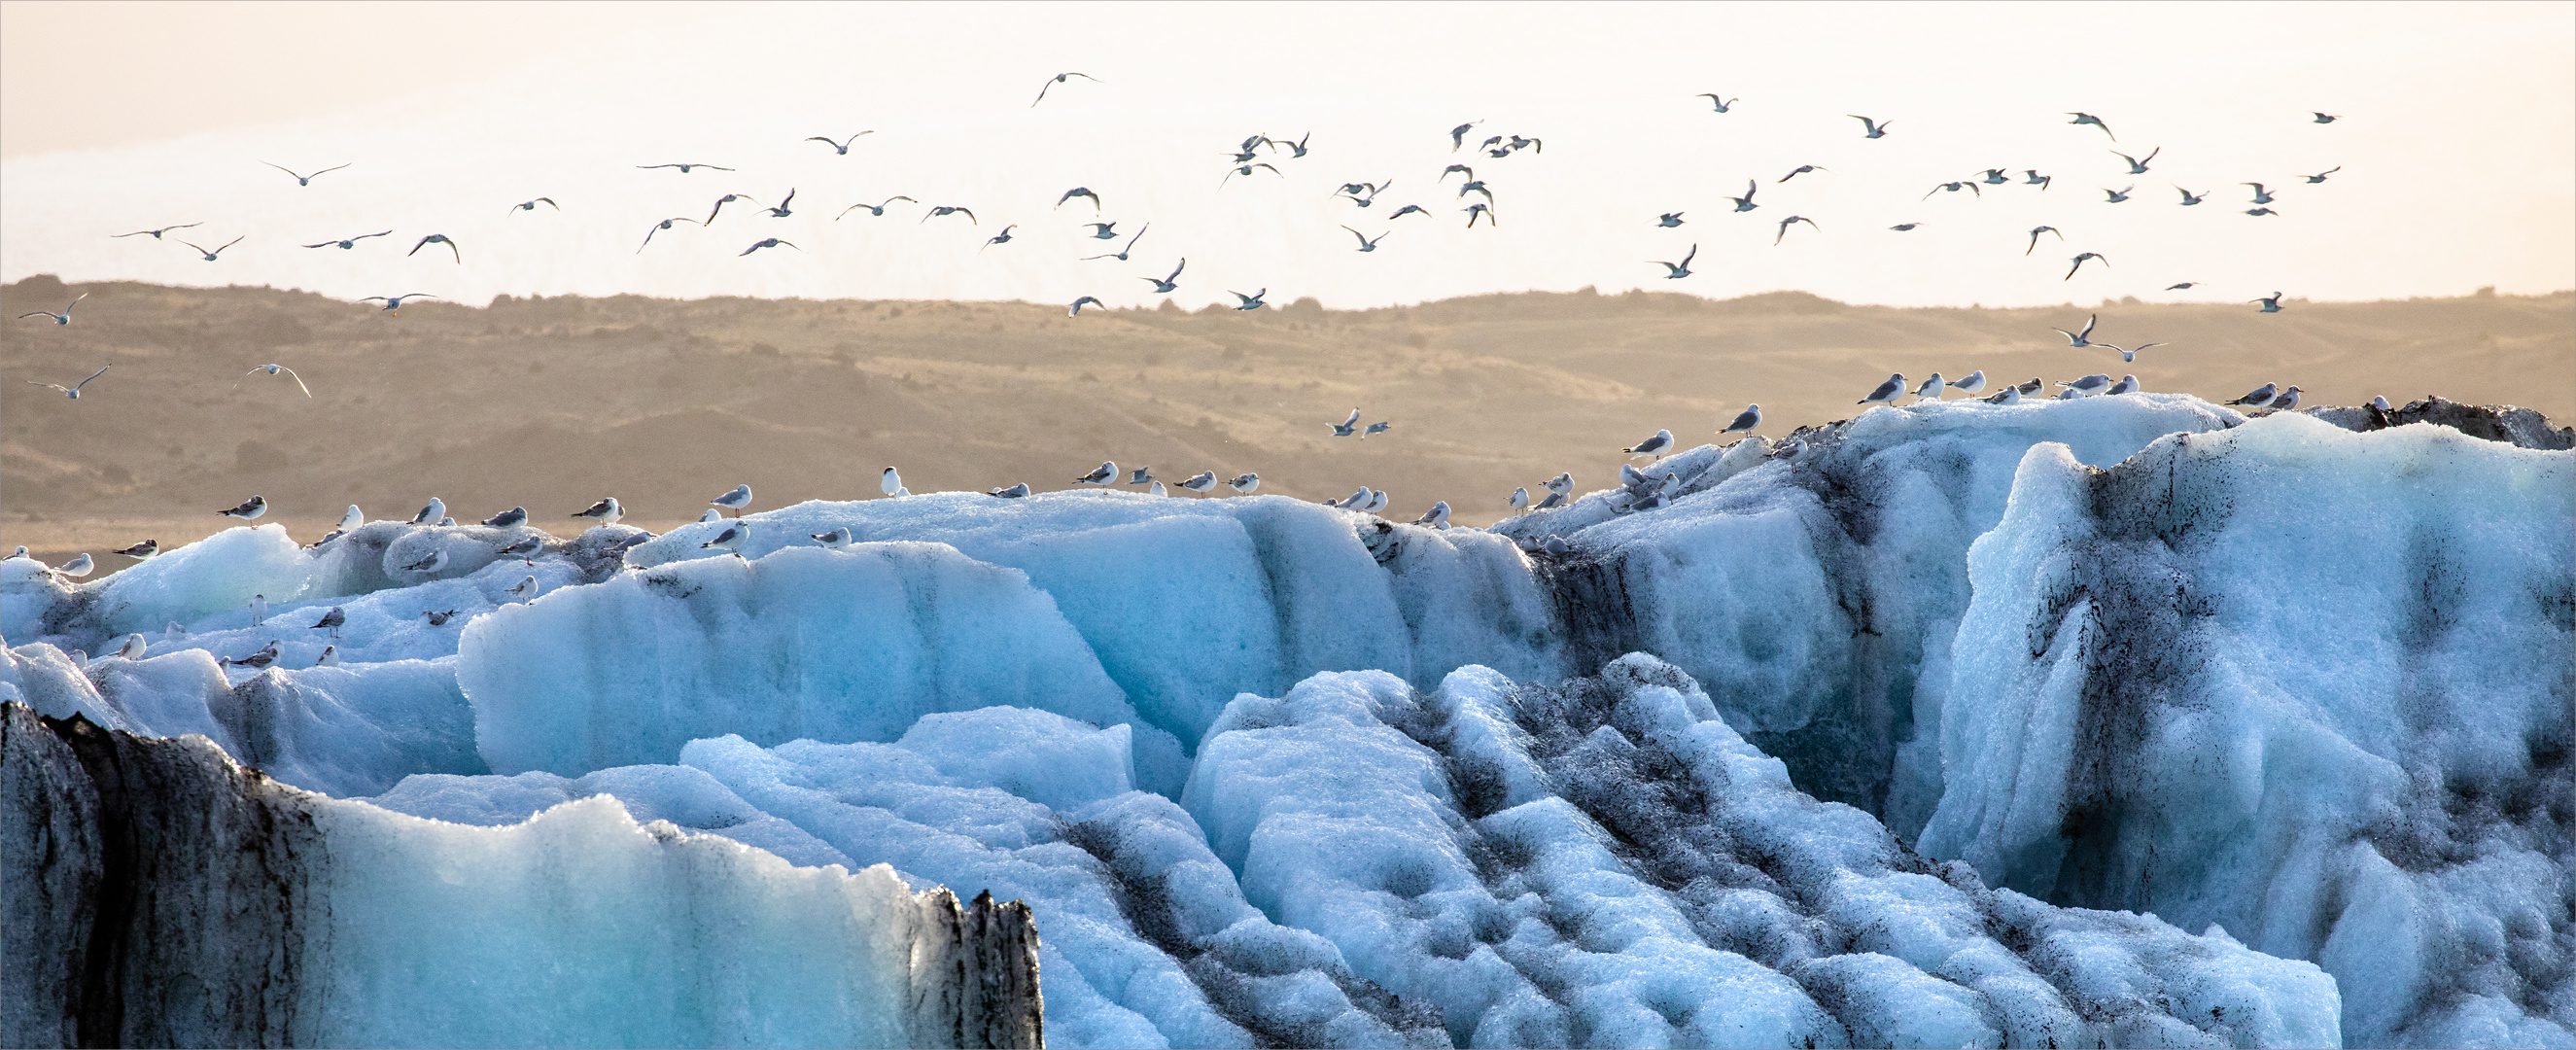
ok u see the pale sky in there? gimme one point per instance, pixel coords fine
(2457, 147)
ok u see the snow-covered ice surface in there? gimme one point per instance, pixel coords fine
(1274, 773)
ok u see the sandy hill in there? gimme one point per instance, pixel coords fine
(554, 402)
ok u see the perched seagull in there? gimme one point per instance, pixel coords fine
(2035, 231)
(1348, 426)
(1165, 285)
(528, 205)
(249, 510)
(2087, 118)
(1121, 254)
(1519, 500)
(438, 618)
(437, 560)
(2138, 165)
(1971, 384)
(2261, 395)
(1055, 80)
(1141, 475)
(2032, 385)
(2079, 263)
(2118, 196)
(330, 657)
(260, 659)
(1875, 130)
(684, 168)
(1248, 302)
(1458, 135)
(508, 519)
(2261, 195)
(1075, 310)
(945, 209)
(1745, 422)
(1158, 490)
(141, 551)
(2088, 386)
(1561, 484)
(2010, 395)
(1003, 237)
(734, 500)
(2271, 303)
(2321, 176)
(840, 148)
(711, 514)
(891, 482)
(1553, 501)
(1435, 518)
(525, 550)
(730, 537)
(2126, 385)
(766, 242)
(1931, 390)
(1789, 450)
(605, 512)
(80, 565)
(1745, 203)
(2181, 286)
(1013, 492)
(210, 254)
(1801, 170)
(1201, 482)
(349, 242)
(780, 210)
(132, 648)
(2288, 400)
(2189, 198)
(1679, 270)
(837, 539)
(1246, 483)
(2258, 212)
(1480, 209)
(877, 209)
(1376, 502)
(1784, 227)
(1080, 191)
(524, 590)
(330, 621)
(2030, 177)
(62, 318)
(305, 180)
(2325, 119)
(429, 514)
(1355, 501)
(1887, 392)
(436, 238)
(1653, 446)
(2131, 353)
(273, 370)
(393, 303)
(1669, 219)
(156, 234)
(1366, 244)
(1720, 103)
(1105, 474)
(2082, 339)
(352, 519)
(1375, 428)
(74, 391)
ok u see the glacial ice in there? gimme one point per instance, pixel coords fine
(1271, 772)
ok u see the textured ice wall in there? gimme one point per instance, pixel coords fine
(2310, 685)
(157, 894)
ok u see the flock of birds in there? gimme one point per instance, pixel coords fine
(1255, 153)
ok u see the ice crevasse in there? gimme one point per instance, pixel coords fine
(1954, 725)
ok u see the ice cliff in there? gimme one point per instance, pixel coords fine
(1957, 723)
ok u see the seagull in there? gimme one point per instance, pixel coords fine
(2031, 385)
(1249, 302)
(2271, 303)
(712, 514)
(1931, 389)
(351, 242)
(1971, 384)
(1055, 80)
(2079, 340)
(261, 659)
(250, 509)
(1745, 203)
(1435, 518)
(1876, 129)
(525, 550)
(508, 519)
(1994, 177)
(1346, 427)
(1080, 191)
(1013, 492)
(1746, 421)
(80, 565)
(2181, 286)
(1409, 209)
(436, 238)
(1458, 135)
(352, 519)
(1720, 103)
(1903, 227)
(891, 483)
(1105, 474)
(141, 551)
(1519, 500)
(1366, 244)
(1376, 502)
(945, 209)
(2117, 196)
(2087, 386)
(877, 209)
(211, 254)
(1784, 227)
(1375, 428)
(1141, 475)
(666, 224)
(1246, 483)
(728, 199)
(1075, 310)
(1201, 482)
(1003, 237)
(2126, 385)
(2261, 195)
(2031, 177)
(330, 621)
(2189, 198)
(1561, 484)
(1653, 446)
(734, 500)
(132, 648)
(766, 242)
(1953, 187)
(2260, 211)
(527, 205)
(2087, 118)
(1158, 490)
(525, 589)
(2381, 403)
(1789, 450)
(74, 391)
(2035, 231)
(1297, 149)
(393, 303)
(437, 560)
(1475, 186)
(1679, 270)
(1801, 170)
(1474, 210)
(731, 536)
(2260, 395)
(1246, 170)
(156, 234)
(684, 168)
(1102, 231)
(429, 515)
(1355, 501)
(1165, 285)
(2079, 263)
(305, 180)
(605, 512)
(837, 539)
(273, 370)
(2321, 176)
(438, 618)
(2288, 400)
(1887, 392)
(1553, 501)
(2138, 165)
(840, 148)
(2324, 118)
(2009, 395)
(780, 211)
(1669, 219)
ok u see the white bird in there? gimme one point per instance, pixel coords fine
(2261, 195)
(2088, 385)
(211, 253)
(730, 538)
(1376, 501)
(1357, 499)
(1104, 474)
(2087, 118)
(1165, 285)
(22, 551)
(1075, 308)
(767, 242)
(1553, 501)
(1876, 129)
(1784, 227)
(393, 303)
(1653, 446)
(525, 589)
(258, 609)
(80, 565)
(304, 180)
(1249, 302)
(330, 657)
(508, 519)
(273, 370)
(430, 514)
(2376, 401)
(1789, 450)
(1435, 518)
(1379, 427)
(1931, 389)
(436, 238)
(1520, 500)
(525, 549)
(1679, 270)
(2070, 394)
(1158, 490)
(132, 648)
(1720, 103)
(1561, 484)
(735, 500)
(1141, 475)
(2130, 353)
(1349, 426)
(1745, 422)
(2321, 176)
(74, 391)
(156, 234)
(1201, 482)
(64, 317)
(841, 147)
(2271, 303)
(2189, 198)
(2126, 385)
(1246, 483)
(711, 514)
(1366, 244)
(2138, 165)
(2035, 231)
(2009, 395)
(1058, 79)
(877, 209)
(2076, 340)
(332, 621)
(605, 512)
(1974, 382)
(1745, 203)
(250, 509)
(837, 539)
(890, 482)
(1887, 392)
(666, 224)
(437, 560)
(143, 551)
(1013, 492)
(2081, 259)
(262, 658)
(2288, 400)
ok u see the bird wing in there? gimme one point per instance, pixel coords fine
(299, 381)
(287, 170)
(102, 370)
(238, 240)
(327, 170)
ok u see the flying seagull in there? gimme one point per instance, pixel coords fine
(528, 205)
(273, 370)
(210, 255)
(393, 303)
(2035, 231)
(62, 318)
(304, 180)
(74, 391)
(1366, 244)
(1458, 135)
(2081, 259)
(2261, 195)
(766, 242)
(1409, 209)
(1876, 129)
(348, 242)
(1668, 220)
(2271, 303)
(1249, 302)
(1478, 209)
(684, 168)
(1679, 270)
(2189, 198)
(1076, 309)
(436, 238)
(1055, 80)
(1745, 203)
(1801, 170)
(1348, 426)
(877, 209)
(2079, 340)
(2316, 178)
(725, 200)
(1784, 227)
(780, 211)
(1379, 427)
(2119, 195)
(666, 224)
(2087, 118)
(840, 148)
(1080, 191)
(156, 234)
(1003, 237)
(1121, 253)
(1720, 103)
(2138, 165)
(1102, 231)
(2325, 118)
(1165, 285)
(944, 209)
